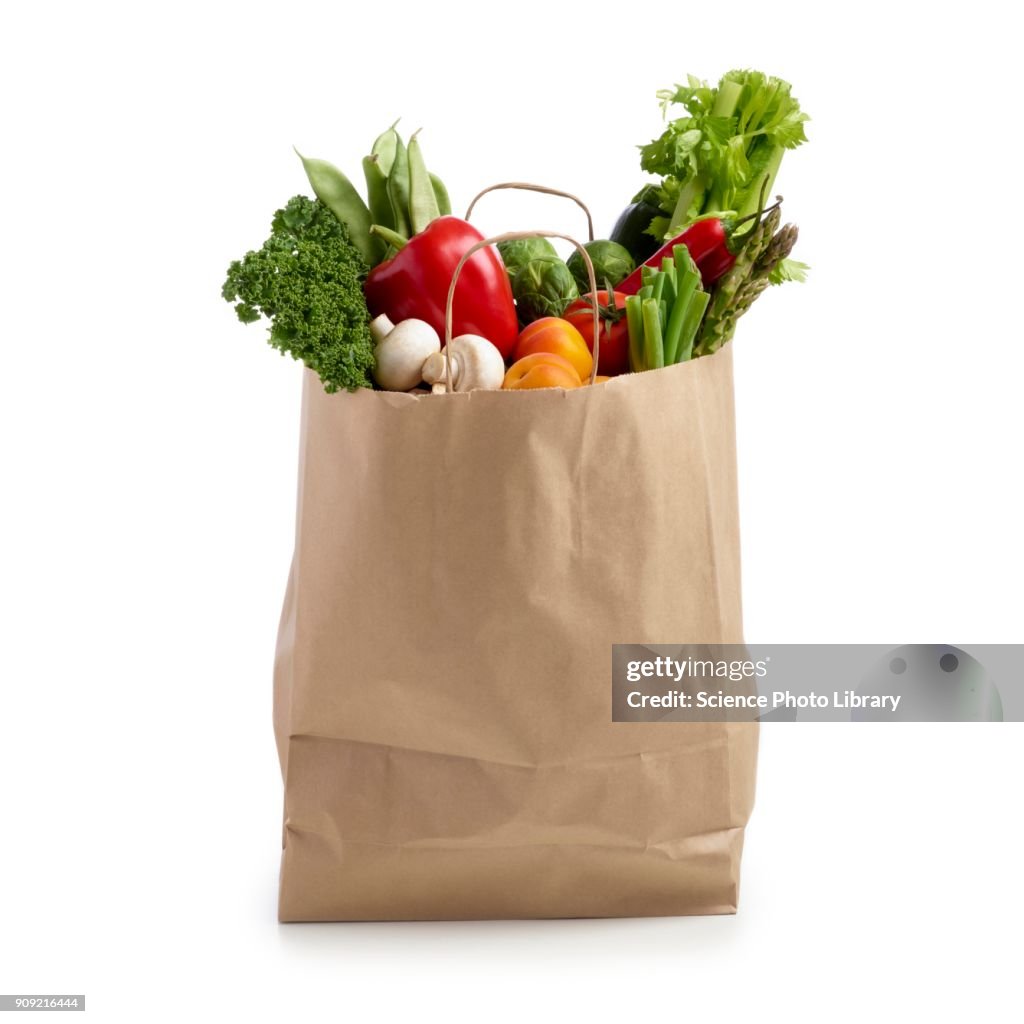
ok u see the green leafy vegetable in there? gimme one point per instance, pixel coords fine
(788, 270)
(307, 279)
(727, 151)
(612, 264)
(517, 252)
(544, 287)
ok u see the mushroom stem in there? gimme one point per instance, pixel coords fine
(380, 328)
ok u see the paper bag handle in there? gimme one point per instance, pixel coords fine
(512, 236)
(536, 188)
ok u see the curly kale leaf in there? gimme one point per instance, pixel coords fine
(307, 279)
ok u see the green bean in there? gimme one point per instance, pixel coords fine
(444, 204)
(423, 206)
(398, 188)
(384, 149)
(339, 195)
(377, 192)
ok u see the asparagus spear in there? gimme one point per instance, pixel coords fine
(780, 246)
(720, 319)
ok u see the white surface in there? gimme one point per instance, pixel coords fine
(149, 464)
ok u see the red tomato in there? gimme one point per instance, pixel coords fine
(613, 356)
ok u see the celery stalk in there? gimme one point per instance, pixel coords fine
(635, 322)
(668, 293)
(771, 169)
(726, 101)
(689, 282)
(691, 321)
(687, 194)
(654, 352)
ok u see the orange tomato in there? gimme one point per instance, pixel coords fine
(551, 334)
(541, 370)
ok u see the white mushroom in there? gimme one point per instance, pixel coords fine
(400, 352)
(476, 363)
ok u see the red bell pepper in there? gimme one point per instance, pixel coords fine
(415, 282)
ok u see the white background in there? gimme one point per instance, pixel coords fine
(149, 457)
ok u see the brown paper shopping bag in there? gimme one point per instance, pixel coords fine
(443, 709)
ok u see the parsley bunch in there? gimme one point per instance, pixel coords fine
(307, 279)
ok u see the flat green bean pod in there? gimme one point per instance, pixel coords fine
(339, 195)
(423, 206)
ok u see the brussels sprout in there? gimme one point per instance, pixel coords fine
(517, 253)
(612, 264)
(544, 287)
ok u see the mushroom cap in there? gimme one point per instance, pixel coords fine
(476, 364)
(401, 353)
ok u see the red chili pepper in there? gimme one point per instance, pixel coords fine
(415, 282)
(709, 247)
(713, 244)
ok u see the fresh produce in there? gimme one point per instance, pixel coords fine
(612, 263)
(423, 206)
(444, 204)
(401, 351)
(685, 260)
(543, 288)
(307, 279)
(724, 155)
(515, 254)
(551, 334)
(403, 197)
(476, 364)
(712, 242)
(541, 370)
(709, 245)
(394, 161)
(613, 357)
(376, 169)
(665, 315)
(339, 195)
(632, 228)
(414, 284)
(762, 258)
